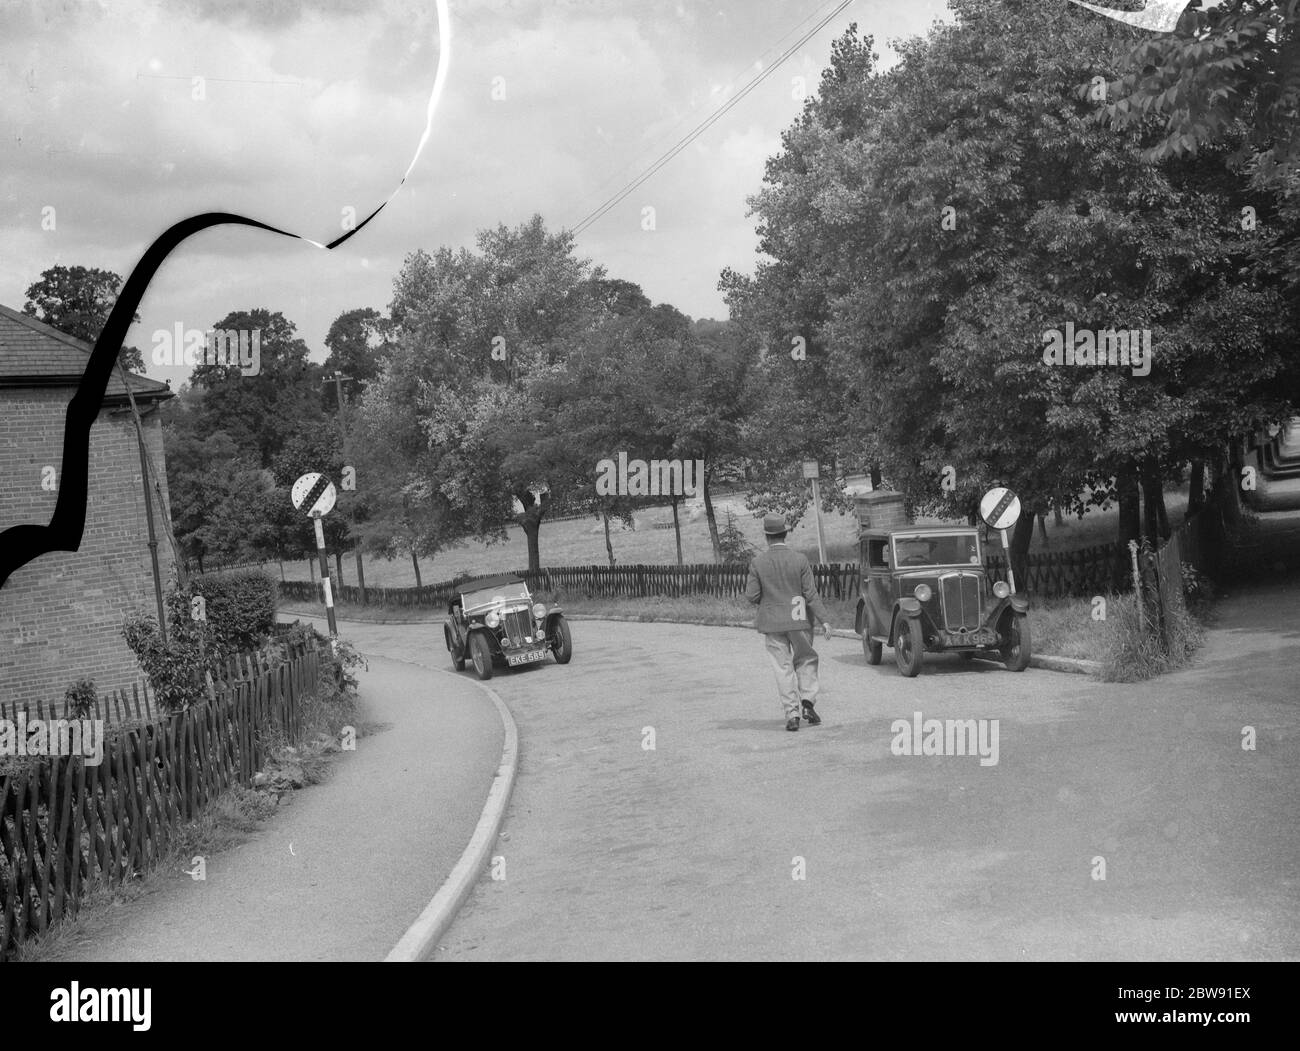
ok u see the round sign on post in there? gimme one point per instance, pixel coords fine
(314, 494)
(1000, 509)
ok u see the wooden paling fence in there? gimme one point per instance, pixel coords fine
(68, 824)
(1088, 571)
(1067, 574)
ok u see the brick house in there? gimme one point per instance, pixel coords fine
(61, 615)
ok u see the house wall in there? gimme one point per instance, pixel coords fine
(61, 615)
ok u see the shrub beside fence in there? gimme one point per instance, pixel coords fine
(66, 827)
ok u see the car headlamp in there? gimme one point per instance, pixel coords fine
(539, 610)
(1002, 589)
(492, 619)
(922, 592)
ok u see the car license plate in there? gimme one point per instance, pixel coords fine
(527, 658)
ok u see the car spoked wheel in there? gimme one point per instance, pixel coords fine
(481, 652)
(1015, 654)
(909, 647)
(562, 642)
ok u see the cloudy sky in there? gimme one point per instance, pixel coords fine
(311, 107)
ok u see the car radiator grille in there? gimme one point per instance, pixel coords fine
(961, 600)
(517, 625)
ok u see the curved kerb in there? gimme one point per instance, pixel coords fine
(422, 937)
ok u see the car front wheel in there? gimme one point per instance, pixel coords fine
(874, 650)
(909, 647)
(1016, 652)
(482, 654)
(456, 662)
(562, 643)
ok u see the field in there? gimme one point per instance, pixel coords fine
(581, 542)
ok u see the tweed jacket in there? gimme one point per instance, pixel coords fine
(777, 577)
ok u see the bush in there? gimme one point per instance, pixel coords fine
(174, 668)
(736, 548)
(79, 698)
(240, 608)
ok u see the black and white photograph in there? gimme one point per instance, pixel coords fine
(650, 481)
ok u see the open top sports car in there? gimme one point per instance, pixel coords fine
(495, 621)
(925, 589)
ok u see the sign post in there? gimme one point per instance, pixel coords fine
(315, 494)
(1000, 509)
(812, 470)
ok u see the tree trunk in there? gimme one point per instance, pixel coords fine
(338, 568)
(1042, 529)
(531, 523)
(416, 563)
(677, 529)
(311, 568)
(876, 480)
(1021, 535)
(1196, 486)
(200, 565)
(1153, 500)
(712, 518)
(281, 561)
(1130, 504)
(361, 575)
(1058, 519)
(609, 546)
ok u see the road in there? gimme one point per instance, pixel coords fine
(612, 851)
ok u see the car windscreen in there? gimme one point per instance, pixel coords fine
(955, 550)
(503, 593)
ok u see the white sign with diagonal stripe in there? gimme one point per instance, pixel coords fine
(315, 494)
(1000, 508)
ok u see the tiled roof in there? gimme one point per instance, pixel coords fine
(34, 354)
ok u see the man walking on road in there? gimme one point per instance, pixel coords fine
(781, 585)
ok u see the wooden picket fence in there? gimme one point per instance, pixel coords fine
(67, 827)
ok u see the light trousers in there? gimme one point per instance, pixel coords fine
(795, 663)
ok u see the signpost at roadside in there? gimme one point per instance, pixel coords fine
(315, 494)
(1000, 509)
(812, 470)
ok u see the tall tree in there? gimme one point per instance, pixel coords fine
(77, 300)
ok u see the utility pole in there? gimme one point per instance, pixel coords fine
(338, 379)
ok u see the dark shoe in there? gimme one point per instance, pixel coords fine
(810, 716)
(793, 723)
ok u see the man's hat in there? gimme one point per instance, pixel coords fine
(775, 524)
